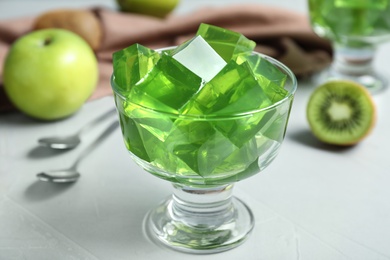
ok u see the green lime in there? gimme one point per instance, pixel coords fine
(157, 8)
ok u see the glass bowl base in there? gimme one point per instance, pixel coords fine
(374, 82)
(200, 233)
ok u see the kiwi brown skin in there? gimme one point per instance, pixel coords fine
(340, 132)
(82, 22)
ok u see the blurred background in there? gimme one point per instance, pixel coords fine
(29, 7)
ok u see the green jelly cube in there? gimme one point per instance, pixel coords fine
(157, 124)
(157, 152)
(153, 130)
(164, 157)
(131, 65)
(251, 170)
(241, 130)
(270, 78)
(132, 137)
(199, 57)
(186, 138)
(167, 87)
(239, 160)
(233, 90)
(188, 154)
(362, 4)
(278, 124)
(212, 154)
(228, 44)
(208, 152)
(191, 131)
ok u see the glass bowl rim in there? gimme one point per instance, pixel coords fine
(283, 67)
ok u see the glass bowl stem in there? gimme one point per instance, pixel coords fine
(355, 64)
(201, 220)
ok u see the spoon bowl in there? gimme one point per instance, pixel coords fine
(71, 174)
(60, 142)
(72, 141)
(59, 176)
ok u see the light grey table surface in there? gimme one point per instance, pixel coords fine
(312, 202)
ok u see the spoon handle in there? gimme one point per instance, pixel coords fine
(97, 120)
(95, 143)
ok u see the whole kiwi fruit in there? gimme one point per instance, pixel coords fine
(82, 22)
(341, 112)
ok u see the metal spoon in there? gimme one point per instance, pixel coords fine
(71, 174)
(71, 141)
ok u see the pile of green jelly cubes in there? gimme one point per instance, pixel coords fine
(188, 111)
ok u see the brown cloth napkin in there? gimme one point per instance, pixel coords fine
(279, 33)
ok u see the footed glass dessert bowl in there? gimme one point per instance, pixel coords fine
(355, 28)
(202, 116)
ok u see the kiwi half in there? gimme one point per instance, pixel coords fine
(341, 112)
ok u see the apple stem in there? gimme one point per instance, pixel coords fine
(47, 41)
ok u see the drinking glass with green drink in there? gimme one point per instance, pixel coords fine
(356, 28)
(202, 115)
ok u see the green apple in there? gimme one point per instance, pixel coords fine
(49, 74)
(158, 8)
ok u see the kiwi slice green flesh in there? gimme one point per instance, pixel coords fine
(341, 112)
